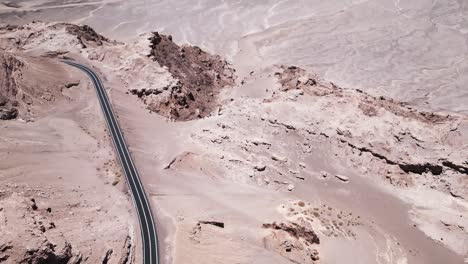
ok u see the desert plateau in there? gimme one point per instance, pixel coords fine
(179, 132)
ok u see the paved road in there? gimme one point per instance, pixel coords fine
(147, 227)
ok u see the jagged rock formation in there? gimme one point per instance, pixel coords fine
(125, 258)
(294, 242)
(85, 35)
(200, 77)
(46, 253)
(40, 230)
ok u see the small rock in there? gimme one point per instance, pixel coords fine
(214, 223)
(266, 180)
(71, 84)
(314, 255)
(445, 224)
(292, 97)
(302, 165)
(260, 167)
(287, 246)
(293, 172)
(33, 206)
(291, 187)
(342, 178)
(278, 158)
(324, 174)
(300, 177)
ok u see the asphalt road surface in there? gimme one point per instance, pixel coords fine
(147, 227)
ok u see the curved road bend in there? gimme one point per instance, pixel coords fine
(147, 227)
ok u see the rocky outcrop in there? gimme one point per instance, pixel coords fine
(421, 168)
(9, 69)
(214, 223)
(459, 168)
(25, 91)
(418, 168)
(107, 256)
(38, 229)
(200, 77)
(409, 143)
(47, 254)
(296, 231)
(126, 251)
(4, 254)
(7, 113)
(342, 178)
(292, 77)
(85, 35)
(292, 241)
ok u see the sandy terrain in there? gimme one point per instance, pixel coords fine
(61, 198)
(321, 163)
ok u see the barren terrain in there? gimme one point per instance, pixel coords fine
(59, 179)
(329, 136)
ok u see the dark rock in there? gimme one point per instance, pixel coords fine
(33, 205)
(421, 168)
(85, 35)
(296, 231)
(314, 255)
(69, 85)
(260, 167)
(459, 168)
(215, 223)
(8, 113)
(107, 257)
(124, 259)
(46, 254)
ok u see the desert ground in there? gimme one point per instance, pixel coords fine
(270, 132)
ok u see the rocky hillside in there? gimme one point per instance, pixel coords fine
(29, 86)
(309, 132)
